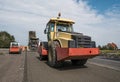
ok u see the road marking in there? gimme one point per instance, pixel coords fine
(25, 79)
(106, 66)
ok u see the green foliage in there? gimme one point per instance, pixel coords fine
(110, 52)
(102, 47)
(5, 39)
(1, 53)
(99, 46)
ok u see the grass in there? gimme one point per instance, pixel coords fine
(110, 52)
(1, 53)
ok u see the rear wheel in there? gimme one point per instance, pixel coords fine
(42, 57)
(80, 62)
(52, 55)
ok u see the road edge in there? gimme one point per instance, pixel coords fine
(106, 66)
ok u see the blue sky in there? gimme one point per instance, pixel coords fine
(101, 6)
(96, 18)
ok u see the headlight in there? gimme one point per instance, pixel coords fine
(71, 43)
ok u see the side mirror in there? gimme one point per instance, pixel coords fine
(45, 31)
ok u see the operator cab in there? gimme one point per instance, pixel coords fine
(14, 44)
(59, 25)
(56, 25)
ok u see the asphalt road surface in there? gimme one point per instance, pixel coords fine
(28, 68)
(11, 66)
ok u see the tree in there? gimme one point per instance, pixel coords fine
(99, 47)
(5, 39)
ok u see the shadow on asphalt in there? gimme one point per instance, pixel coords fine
(67, 65)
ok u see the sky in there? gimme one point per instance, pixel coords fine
(99, 19)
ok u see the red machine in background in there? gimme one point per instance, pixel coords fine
(15, 48)
(42, 50)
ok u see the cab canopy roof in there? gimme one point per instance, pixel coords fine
(61, 20)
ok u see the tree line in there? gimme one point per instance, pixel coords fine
(5, 39)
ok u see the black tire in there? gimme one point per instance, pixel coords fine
(42, 57)
(80, 62)
(52, 56)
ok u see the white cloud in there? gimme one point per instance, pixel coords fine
(20, 16)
